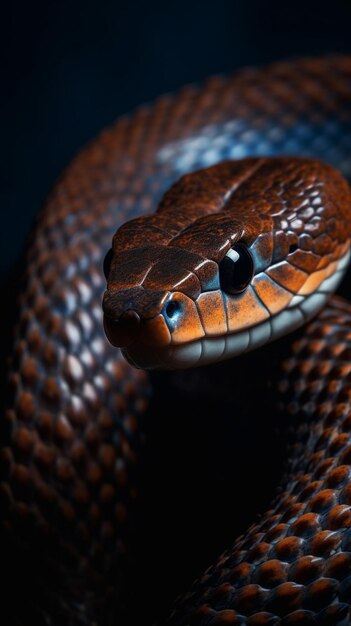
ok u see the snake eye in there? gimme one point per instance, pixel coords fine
(107, 263)
(236, 269)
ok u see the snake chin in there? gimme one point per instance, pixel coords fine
(208, 350)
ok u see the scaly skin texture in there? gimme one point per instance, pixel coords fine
(72, 422)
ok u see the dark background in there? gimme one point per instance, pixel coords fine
(71, 67)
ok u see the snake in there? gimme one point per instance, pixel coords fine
(229, 212)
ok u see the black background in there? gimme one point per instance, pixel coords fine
(71, 67)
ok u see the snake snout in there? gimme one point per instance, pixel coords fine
(123, 331)
(135, 316)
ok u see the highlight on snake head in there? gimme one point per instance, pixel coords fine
(235, 256)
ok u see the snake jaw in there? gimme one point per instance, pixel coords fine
(250, 328)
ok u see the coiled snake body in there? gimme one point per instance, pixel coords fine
(72, 423)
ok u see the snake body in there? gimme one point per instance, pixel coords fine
(72, 422)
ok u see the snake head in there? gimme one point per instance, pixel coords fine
(236, 255)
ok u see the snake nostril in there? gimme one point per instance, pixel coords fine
(172, 313)
(173, 309)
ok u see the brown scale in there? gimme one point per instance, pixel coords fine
(72, 434)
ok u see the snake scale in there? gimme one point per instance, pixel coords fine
(75, 408)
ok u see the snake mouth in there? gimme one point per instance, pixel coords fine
(206, 350)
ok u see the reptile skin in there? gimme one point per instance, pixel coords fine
(72, 437)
